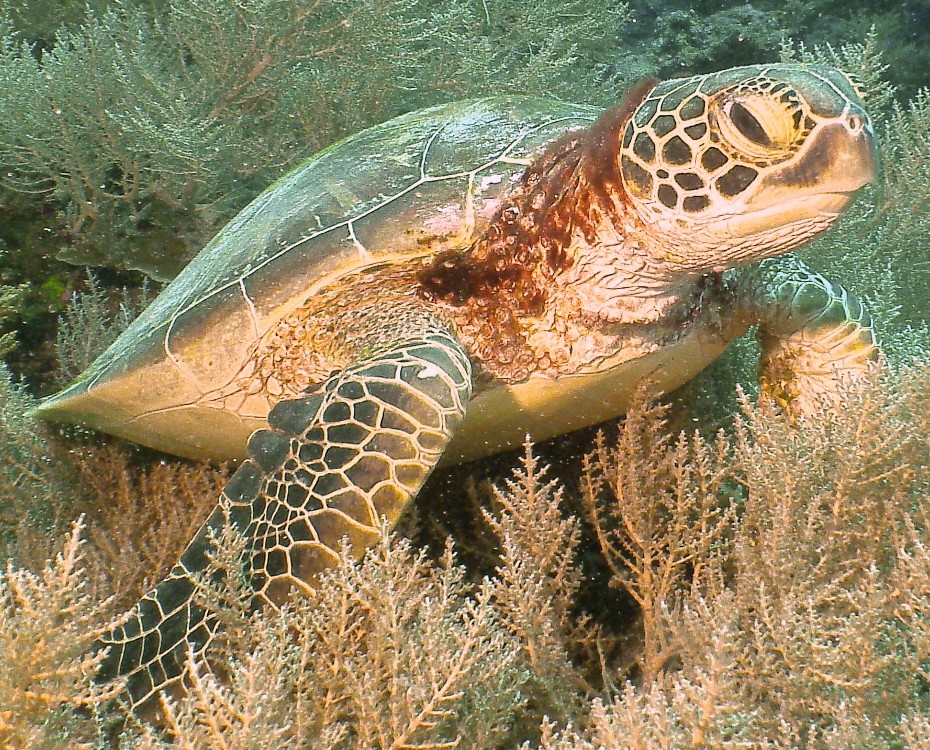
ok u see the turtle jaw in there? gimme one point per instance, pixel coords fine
(839, 163)
(749, 236)
(800, 219)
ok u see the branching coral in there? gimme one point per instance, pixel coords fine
(48, 622)
(147, 130)
(805, 627)
(536, 583)
(143, 515)
(783, 576)
(393, 652)
(87, 327)
(32, 494)
(665, 520)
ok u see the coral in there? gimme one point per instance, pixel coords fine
(32, 493)
(400, 651)
(782, 574)
(536, 582)
(141, 515)
(392, 652)
(10, 299)
(39, 26)
(87, 326)
(805, 623)
(184, 117)
(665, 520)
(48, 621)
(915, 731)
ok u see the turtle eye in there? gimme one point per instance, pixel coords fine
(758, 124)
(747, 124)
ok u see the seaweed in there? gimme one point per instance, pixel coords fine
(783, 573)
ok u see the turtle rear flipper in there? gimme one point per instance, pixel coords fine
(333, 464)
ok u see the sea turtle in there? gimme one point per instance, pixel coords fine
(439, 286)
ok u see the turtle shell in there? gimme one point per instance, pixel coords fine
(416, 185)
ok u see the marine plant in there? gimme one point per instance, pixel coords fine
(783, 570)
(181, 119)
(787, 569)
(87, 327)
(31, 492)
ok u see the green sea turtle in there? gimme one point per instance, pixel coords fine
(441, 285)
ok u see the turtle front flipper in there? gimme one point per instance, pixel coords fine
(333, 464)
(814, 334)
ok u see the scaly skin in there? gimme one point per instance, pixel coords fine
(813, 334)
(333, 464)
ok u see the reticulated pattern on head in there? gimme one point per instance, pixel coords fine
(700, 151)
(673, 156)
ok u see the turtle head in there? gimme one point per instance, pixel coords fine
(744, 164)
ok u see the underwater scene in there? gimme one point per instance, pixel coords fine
(464, 374)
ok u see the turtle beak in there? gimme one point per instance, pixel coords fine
(856, 164)
(841, 159)
(821, 183)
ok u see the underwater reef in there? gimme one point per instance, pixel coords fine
(780, 577)
(749, 582)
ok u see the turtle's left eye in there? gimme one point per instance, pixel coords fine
(747, 124)
(758, 124)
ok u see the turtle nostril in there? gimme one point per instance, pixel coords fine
(854, 122)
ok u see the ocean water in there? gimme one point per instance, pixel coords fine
(769, 588)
